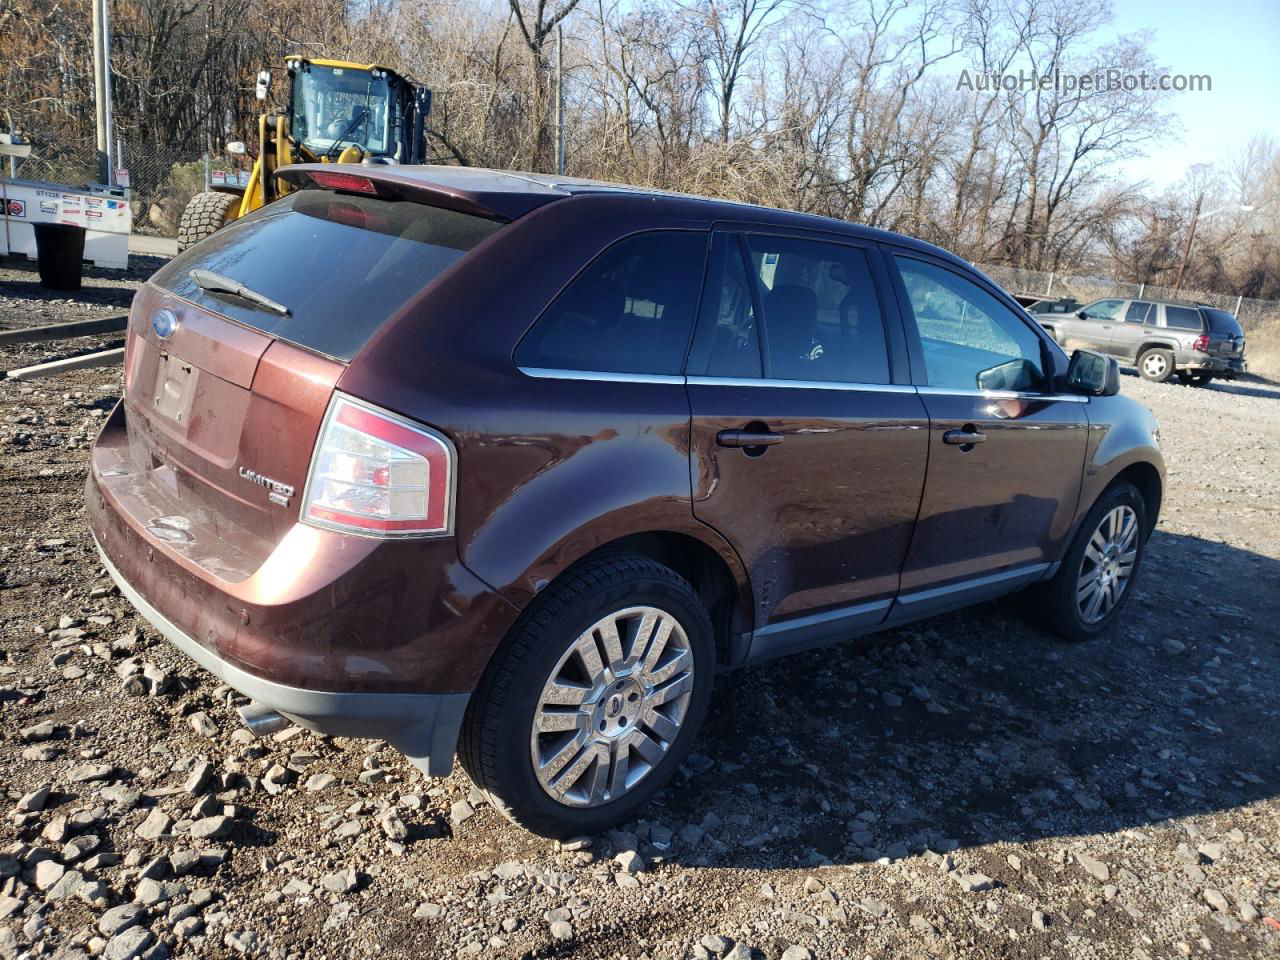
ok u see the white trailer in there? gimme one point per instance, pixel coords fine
(103, 212)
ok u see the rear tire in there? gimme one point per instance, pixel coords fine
(205, 214)
(1156, 364)
(566, 737)
(1106, 553)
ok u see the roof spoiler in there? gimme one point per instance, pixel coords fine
(493, 197)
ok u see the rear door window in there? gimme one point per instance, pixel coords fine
(630, 311)
(821, 312)
(1183, 318)
(1138, 312)
(342, 264)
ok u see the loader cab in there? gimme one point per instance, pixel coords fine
(335, 105)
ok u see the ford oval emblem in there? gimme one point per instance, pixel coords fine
(163, 322)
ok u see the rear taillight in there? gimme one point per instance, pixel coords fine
(376, 473)
(1201, 343)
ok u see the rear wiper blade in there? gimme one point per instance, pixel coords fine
(217, 283)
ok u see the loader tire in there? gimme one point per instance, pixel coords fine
(205, 213)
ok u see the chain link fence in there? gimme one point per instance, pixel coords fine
(1252, 314)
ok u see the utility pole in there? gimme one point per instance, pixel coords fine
(102, 90)
(560, 99)
(1191, 238)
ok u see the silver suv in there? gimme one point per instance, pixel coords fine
(1160, 337)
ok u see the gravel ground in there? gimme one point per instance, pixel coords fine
(966, 787)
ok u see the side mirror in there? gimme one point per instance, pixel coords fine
(1081, 314)
(264, 82)
(1093, 374)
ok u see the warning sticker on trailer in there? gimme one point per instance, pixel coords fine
(17, 208)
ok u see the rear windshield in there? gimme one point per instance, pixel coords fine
(342, 264)
(1223, 323)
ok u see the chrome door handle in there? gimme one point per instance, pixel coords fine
(963, 438)
(747, 438)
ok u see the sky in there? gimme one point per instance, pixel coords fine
(1236, 42)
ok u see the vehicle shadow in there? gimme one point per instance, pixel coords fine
(1253, 387)
(974, 728)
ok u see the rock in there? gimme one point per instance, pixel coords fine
(872, 907)
(973, 882)
(630, 862)
(1095, 868)
(813, 885)
(1215, 899)
(79, 848)
(55, 831)
(716, 944)
(1039, 920)
(35, 800)
(430, 911)
(242, 941)
(41, 731)
(320, 781)
(796, 952)
(198, 778)
(1248, 912)
(9, 906)
(128, 944)
(1014, 861)
(922, 925)
(48, 872)
(151, 892)
(134, 686)
(351, 828)
(561, 930)
(344, 881)
(67, 884)
(1172, 646)
(211, 827)
(42, 753)
(91, 773)
(740, 951)
(156, 825)
(461, 811)
(121, 918)
(202, 724)
(393, 826)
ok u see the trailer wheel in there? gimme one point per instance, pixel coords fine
(205, 213)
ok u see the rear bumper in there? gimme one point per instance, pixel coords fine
(1227, 368)
(422, 726)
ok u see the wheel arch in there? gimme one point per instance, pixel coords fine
(723, 586)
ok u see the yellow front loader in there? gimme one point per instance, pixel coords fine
(338, 112)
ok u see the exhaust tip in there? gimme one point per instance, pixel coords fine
(261, 721)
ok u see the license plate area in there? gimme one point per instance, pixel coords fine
(175, 388)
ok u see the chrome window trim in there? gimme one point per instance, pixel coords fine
(606, 376)
(1001, 394)
(801, 384)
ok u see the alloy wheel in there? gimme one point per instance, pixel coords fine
(1107, 564)
(612, 706)
(1154, 364)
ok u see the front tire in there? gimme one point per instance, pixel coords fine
(1156, 364)
(205, 214)
(1095, 580)
(594, 699)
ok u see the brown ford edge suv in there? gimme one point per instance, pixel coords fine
(510, 466)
